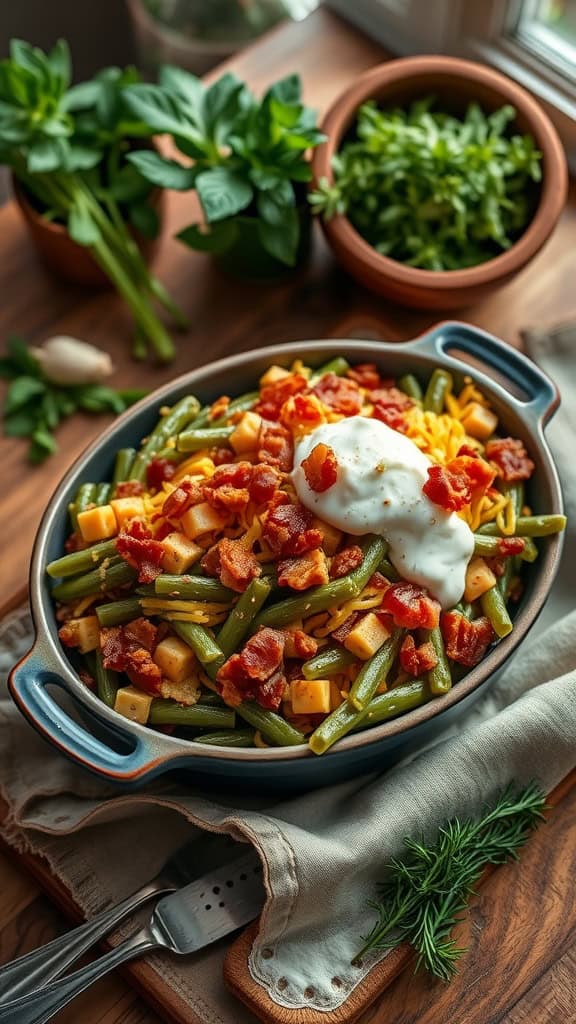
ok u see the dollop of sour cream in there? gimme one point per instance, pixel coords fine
(379, 490)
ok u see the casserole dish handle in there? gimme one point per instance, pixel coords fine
(29, 684)
(511, 366)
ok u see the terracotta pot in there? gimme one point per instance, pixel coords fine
(455, 83)
(66, 258)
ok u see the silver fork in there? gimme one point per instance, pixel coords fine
(183, 922)
(30, 972)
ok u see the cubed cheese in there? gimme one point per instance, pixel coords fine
(479, 421)
(273, 375)
(366, 637)
(336, 696)
(479, 579)
(83, 633)
(175, 659)
(179, 553)
(126, 509)
(310, 696)
(201, 519)
(331, 537)
(244, 437)
(133, 704)
(97, 523)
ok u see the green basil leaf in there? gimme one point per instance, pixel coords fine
(286, 92)
(162, 172)
(22, 358)
(59, 62)
(188, 87)
(281, 235)
(20, 391)
(159, 110)
(222, 105)
(222, 193)
(82, 158)
(263, 177)
(81, 226)
(219, 238)
(81, 96)
(21, 423)
(131, 395)
(44, 157)
(128, 185)
(145, 219)
(50, 410)
(43, 440)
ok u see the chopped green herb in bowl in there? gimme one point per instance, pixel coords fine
(431, 189)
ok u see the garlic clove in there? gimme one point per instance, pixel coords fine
(65, 360)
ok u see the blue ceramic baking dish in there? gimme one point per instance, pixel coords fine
(130, 754)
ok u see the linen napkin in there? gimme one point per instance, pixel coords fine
(322, 852)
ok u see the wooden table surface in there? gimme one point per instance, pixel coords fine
(522, 930)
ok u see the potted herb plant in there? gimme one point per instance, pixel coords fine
(90, 212)
(246, 159)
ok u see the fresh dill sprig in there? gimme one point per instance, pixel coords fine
(427, 891)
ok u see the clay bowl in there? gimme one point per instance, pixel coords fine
(455, 83)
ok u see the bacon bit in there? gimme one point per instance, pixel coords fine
(157, 472)
(416, 660)
(510, 546)
(238, 565)
(275, 446)
(320, 468)
(236, 474)
(379, 581)
(227, 498)
(129, 649)
(219, 407)
(210, 562)
(497, 565)
(516, 589)
(179, 500)
(345, 561)
(264, 483)
(510, 458)
(273, 396)
(302, 411)
(220, 455)
(411, 606)
(458, 482)
(390, 406)
(288, 531)
(256, 672)
(467, 449)
(68, 634)
(310, 570)
(466, 642)
(341, 632)
(366, 375)
(305, 646)
(339, 393)
(137, 546)
(129, 489)
(75, 542)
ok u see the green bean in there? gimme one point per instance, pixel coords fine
(327, 663)
(374, 671)
(494, 606)
(98, 581)
(85, 496)
(211, 698)
(168, 712)
(170, 454)
(199, 639)
(192, 588)
(274, 728)
(439, 677)
(439, 385)
(107, 682)
(122, 466)
(320, 598)
(240, 404)
(117, 612)
(237, 625)
(489, 547)
(515, 491)
(102, 495)
(337, 724)
(394, 702)
(227, 738)
(195, 440)
(171, 424)
(410, 385)
(529, 526)
(530, 552)
(338, 365)
(81, 561)
(388, 570)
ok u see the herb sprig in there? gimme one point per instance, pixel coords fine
(427, 891)
(248, 155)
(34, 406)
(433, 190)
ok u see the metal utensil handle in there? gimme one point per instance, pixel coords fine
(31, 972)
(41, 1006)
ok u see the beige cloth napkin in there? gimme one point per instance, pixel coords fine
(324, 851)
